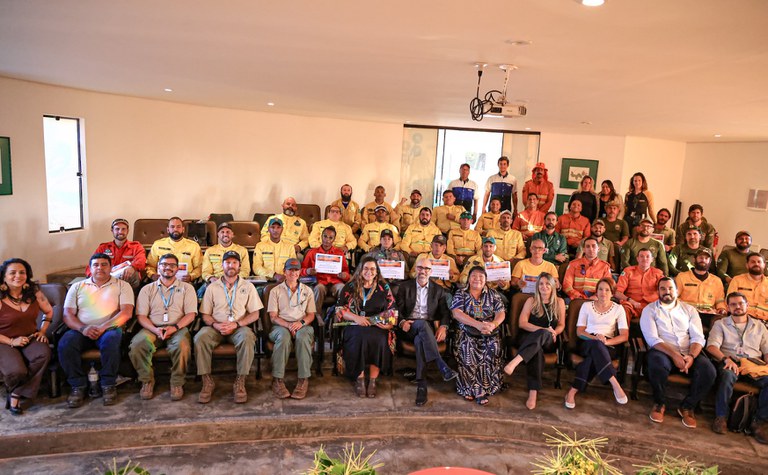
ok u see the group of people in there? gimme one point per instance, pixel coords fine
(653, 286)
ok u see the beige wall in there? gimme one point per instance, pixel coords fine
(661, 161)
(719, 177)
(153, 159)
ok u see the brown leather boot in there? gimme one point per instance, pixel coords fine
(238, 390)
(279, 389)
(147, 390)
(300, 391)
(207, 392)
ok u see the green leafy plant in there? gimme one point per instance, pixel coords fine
(129, 468)
(666, 464)
(573, 456)
(352, 462)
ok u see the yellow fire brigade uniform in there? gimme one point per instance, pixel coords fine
(187, 250)
(212, 261)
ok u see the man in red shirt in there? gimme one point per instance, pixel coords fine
(325, 282)
(574, 227)
(128, 257)
(583, 274)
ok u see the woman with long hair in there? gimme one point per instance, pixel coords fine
(367, 303)
(638, 202)
(608, 195)
(586, 194)
(602, 325)
(24, 350)
(542, 319)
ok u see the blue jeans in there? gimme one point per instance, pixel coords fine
(71, 347)
(725, 381)
(702, 374)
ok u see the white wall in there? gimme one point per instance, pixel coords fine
(155, 159)
(661, 161)
(719, 177)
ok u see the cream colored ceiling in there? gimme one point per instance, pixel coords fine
(674, 69)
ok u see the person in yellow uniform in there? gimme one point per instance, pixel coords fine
(700, 288)
(350, 210)
(446, 217)
(188, 251)
(509, 242)
(438, 255)
(409, 211)
(368, 213)
(490, 219)
(526, 272)
(464, 243)
(418, 236)
(754, 285)
(487, 254)
(212, 258)
(270, 255)
(295, 229)
(371, 234)
(345, 238)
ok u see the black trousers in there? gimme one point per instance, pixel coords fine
(532, 349)
(422, 335)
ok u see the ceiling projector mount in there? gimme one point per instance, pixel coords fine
(495, 102)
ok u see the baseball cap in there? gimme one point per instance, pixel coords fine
(738, 234)
(645, 220)
(440, 239)
(292, 264)
(703, 250)
(540, 165)
(490, 240)
(417, 192)
(275, 220)
(224, 225)
(599, 221)
(692, 226)
(506, 211)
(119, 221)
(387, 232)
(465, 215)
(380, 208)
(230, 255)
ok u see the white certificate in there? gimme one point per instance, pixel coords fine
(530, 283)
(328, 263)
(498, 271)
(441, 269)
(182, 271)
(392, 269)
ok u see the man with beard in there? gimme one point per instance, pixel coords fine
(696, 219)
(583, 274)
(128, 257)
(732, 338)
(418, 236)
(733, 261)
(555, 244)
(486, 254)
(229, 307)
(447, 216)
(350, 210)
(674, 335)
(573, 226)
(408, 211)
(540, 186)
(490, 219)
(509, 242)
(438, 255)
(638, 285)
(754, 285)
(345, 238)
(605, 250)
(295, 231)
(325, 282)
(465, 190)
(700, 288)
(368, 214)
(464, 243)
(682, 257)
(270, 255)
(212, 258)
(372, 231)
(662, 232)
(616, 229)
(188, 251)
(643, 240)
(531, 220)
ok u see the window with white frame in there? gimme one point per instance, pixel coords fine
(63, 173)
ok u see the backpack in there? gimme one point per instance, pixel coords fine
(198, 232)
(743, 413)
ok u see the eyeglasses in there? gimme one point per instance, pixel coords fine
(537, 248)
(168, 264)
(423, 268)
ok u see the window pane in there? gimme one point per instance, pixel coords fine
(62, 169)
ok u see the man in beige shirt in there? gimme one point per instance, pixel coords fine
(446, 217)
(349, 209)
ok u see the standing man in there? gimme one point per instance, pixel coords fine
(408, 211)
(464, 243)
(345, 238)
(638, 285)
(701, 289)
(583, 274)
(295, 230)
(164, 310)
(573, 226)
(325, 282)
(188, 251)
(662, 232)
(438, 255)
(531, 220)
(465, 190)
(349, 210)
(554, 243)
(229, 307)
(418, 236)
(490, 219)
(447, 216)
(422, 304)
(509, 242)
(540, 186)
(754, 285)
(291, 308)
(128, 257)
(632, 248)
(368, 214)
(503, 186)
(696, 219)
(673, 332)
(270, 255)
(732, 338)
(372, 231)
(733, 261)
(95, 311)
(212, 258)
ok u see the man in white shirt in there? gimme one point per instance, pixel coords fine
(673, 332)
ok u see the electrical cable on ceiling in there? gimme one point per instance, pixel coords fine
(479, 107)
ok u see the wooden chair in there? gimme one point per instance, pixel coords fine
(261, 218)
(247, 233)
(147, 231)
(308, 212)
(55, 293)
(219, 218)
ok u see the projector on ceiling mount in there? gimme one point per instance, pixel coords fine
(507, 110)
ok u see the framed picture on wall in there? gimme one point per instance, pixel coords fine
(6, 186)
(574, 169)
(561, 204)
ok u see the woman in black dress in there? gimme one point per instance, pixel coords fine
(638, 203)
(588, 198)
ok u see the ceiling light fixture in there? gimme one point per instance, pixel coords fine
(717, 136)
(168, 89)
(586, 122)
(518, 42)
(527, 128)
(270, 104)
(591, 3)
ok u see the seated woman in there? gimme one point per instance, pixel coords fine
(601, 326)
(541, 319)
(365, 300)
(24, 350)
(479, 311)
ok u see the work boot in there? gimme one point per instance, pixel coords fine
(657, 413)
(147, 390)
(279, 389)
(76, 397)
(207, 391)
(300, 391)
(238, 390)
(177, 392)
(761, 432)
(110, 395)
(720, 426)
(689, 419)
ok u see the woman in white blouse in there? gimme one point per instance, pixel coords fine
(602, 325)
